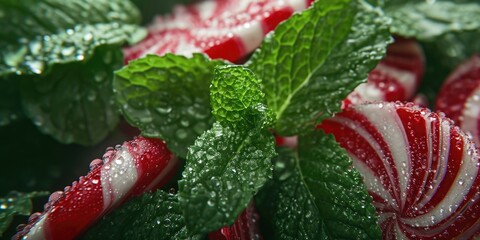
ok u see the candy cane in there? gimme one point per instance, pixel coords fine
(395, 78)
(459, 97)
(227, 29)
(126, 171)
(421, 170)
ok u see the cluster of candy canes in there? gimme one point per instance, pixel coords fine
(126, 171)
(221, 29)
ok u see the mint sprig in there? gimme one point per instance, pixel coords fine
(229, 163)
(317, 194)
(167, 97)
(16, 203)
(314, 59)
(155, 215)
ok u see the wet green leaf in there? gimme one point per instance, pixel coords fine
(167, 97)
(315, 59)
(155, 215)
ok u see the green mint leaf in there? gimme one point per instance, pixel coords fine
(286, 203)
(37, 34)
(74, 103)
(314, 59)
(72, 45)
(237, 97)
(340, 195)
(318, 194)
(225, 168)
(16, 203)
(426, 21)
(167, 97)
(155, 215)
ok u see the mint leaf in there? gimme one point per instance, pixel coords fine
(314, 59)
(167, 97)
(237, 97)
(225, 168)
(37, 34)
(287, 204)
(73, 102)
(155, 215)
(318, 194)
(426, 21)
(340, 195)
(16, 203)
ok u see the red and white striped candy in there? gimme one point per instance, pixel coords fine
(421, 170)
(126, 171)
(395, 78)
(459, 97)
(228, 29)
(246, 227)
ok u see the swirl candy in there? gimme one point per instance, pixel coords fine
(126, 171)
(221, 29)
(395, 78)
(459, 97)
(421, 170)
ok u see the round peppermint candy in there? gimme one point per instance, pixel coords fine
(395, 78)
(127, 170)
(459, 97)
(420, 169)
(227, 29)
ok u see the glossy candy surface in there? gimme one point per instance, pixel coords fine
(459, 97)
(219, 28)
(395, 78)
(125, 171)
(420, 169)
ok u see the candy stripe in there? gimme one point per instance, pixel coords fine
(228, 29)
(459, 97)
(395, 78)
(437, 168)
(126, 171)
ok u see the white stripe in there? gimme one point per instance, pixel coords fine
(297, 5)
(37, 231)
(373, 183)
(390, 127)
(375, 146)
(369, 92)
(118, 177)
(463, 68)
(471, 115)
(405, 78)
(251, 34)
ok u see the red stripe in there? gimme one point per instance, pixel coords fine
(276, 17)
(230, 49)
(415, 129)
(453, 162)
